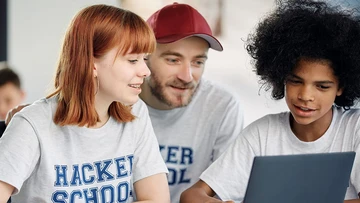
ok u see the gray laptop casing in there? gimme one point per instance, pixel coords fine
(305, 178)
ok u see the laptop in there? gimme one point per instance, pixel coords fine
(304, 178)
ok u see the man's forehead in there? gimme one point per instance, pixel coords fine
(183, 55)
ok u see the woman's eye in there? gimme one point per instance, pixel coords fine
(133, 61)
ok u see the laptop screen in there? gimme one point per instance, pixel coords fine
(303, 178)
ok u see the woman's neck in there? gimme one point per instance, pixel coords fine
(102, 109)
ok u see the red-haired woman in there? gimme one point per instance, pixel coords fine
(91, 140)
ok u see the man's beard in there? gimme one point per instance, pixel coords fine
(159, 91)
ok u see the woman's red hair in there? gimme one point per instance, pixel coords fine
(94, 31)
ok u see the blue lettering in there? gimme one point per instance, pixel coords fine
(106, 194)
(109, 189)
(182, 176)
(61, 179)
(93, 198)
(74, 194)
(172, 154)
(123, 191)
(130, 158)
(177, 176)
(186, 152)
(177, 154)
(103, 171)
(172, 176)
(75, 180)
(89, 168)
(121, 171)
(59, 196)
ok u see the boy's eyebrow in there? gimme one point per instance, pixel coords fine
(294, 76)
(318, 82)
(325, 82)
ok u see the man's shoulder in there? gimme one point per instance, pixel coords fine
(214, 88)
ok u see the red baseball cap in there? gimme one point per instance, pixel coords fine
(178, 21)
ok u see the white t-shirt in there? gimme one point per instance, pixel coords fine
(272, 135)
(192, 137)
(49, 163)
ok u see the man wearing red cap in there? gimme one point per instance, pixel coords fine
(193, 118)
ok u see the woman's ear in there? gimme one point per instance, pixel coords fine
(94, 70)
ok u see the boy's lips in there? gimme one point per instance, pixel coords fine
(305, 108)
(304, 111)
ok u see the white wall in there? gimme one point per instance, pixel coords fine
(36, 29)
(232, 66)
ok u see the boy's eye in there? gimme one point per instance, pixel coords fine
(133, 61)
(323, 87)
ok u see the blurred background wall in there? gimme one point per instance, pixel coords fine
(35, 30)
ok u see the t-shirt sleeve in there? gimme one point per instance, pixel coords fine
(147, 158)
(355, 175)
(19, 152)
(229, 174)
(231, 125)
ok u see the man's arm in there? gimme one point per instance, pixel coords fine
(200, 192)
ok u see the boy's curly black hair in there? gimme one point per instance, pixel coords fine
(303, 29)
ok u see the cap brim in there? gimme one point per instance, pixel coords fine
(213, 42)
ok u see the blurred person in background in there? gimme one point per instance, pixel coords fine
(11, 93)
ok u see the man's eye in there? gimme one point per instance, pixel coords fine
(172, 60)
(198, 63)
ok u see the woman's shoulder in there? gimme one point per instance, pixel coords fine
(41, 108)
(139, 109)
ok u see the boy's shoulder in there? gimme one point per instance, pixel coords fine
(340, 111)
(271, 120)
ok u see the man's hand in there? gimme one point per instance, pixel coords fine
(12, 112)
